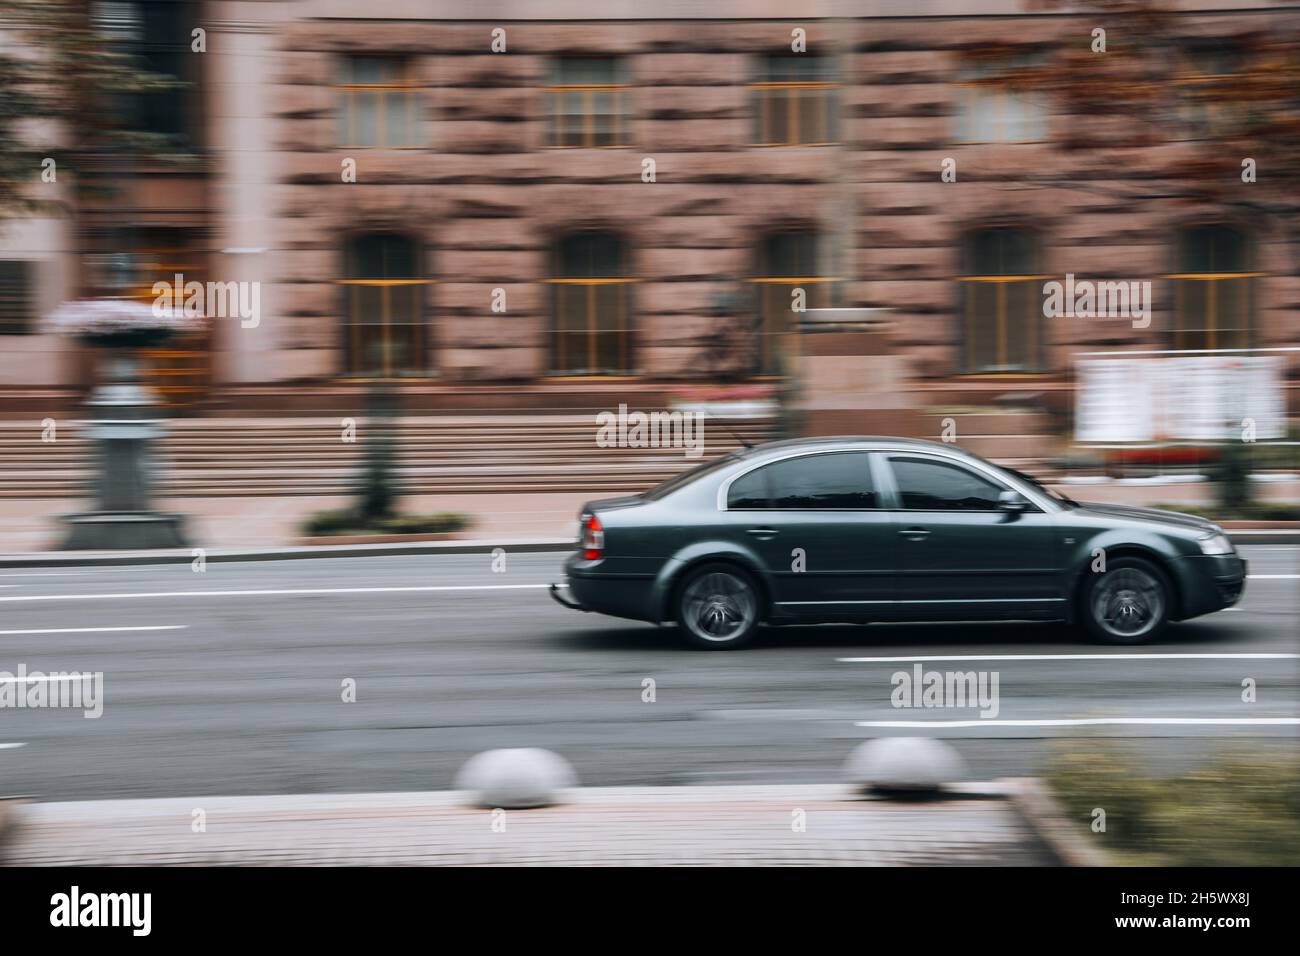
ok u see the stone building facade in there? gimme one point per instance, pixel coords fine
(510, 208)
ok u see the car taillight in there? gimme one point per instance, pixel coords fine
(593, 538)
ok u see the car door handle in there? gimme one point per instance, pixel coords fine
(763, 533)
(914, 534)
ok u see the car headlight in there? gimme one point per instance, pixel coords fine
(1216, 543)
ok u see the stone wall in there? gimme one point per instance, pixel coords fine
(486, 197)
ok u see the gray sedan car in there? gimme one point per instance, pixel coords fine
(882, 529)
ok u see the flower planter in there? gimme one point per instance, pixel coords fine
(328, 539)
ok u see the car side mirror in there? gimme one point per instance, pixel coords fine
(1012, 502)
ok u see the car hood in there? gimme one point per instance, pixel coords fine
(1174, 518)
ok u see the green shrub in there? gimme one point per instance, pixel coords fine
(349, 522)
(1239, 810)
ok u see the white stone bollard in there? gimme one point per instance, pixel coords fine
(917, 764)
(516, 779)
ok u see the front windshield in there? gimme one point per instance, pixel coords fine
(686, 477)
(1054, 495)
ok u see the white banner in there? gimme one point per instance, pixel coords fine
(1179, 397)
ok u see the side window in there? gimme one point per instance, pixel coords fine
(927, 485)
(749, 492)
(833, 482)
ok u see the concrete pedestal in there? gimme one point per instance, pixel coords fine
(123, 531)
(851, 380)
(123, 484)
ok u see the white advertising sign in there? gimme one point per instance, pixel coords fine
(1178, 397)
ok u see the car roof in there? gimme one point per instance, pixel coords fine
(831, 441)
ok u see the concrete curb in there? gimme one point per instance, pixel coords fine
(1036, 805)
(10, 807)
(64, 559)
(1263, 535)
(72, 559)
(710, 825)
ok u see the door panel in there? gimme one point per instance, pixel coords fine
(815, 523)
(961, 556)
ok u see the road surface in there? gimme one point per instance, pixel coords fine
(232, 681)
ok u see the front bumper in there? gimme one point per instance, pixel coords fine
(1212, 582)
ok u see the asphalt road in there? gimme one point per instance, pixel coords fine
(242, 692)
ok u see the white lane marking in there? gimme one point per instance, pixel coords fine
(64, 574)
(278, 591)
(1094, 722)
(97, 630)
(39, 679)
(11, 746)
(1067, 657)
(1273, 577)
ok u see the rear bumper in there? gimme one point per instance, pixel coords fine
(1211, 583)
(591, 589)
(557, 593)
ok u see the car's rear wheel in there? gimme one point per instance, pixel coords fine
(1128, 603)
(718, 607)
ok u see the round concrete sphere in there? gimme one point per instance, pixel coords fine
(914, 764)
(515, 779)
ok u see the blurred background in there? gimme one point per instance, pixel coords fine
(807, 218)
(471, 229)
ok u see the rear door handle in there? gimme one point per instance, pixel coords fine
(914, 534)
(763, 533)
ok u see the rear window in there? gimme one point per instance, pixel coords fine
(686, 477)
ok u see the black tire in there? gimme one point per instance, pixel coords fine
(1128, 603)
(718, 606)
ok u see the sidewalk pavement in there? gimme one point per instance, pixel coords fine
(32, 525)
(976, 825)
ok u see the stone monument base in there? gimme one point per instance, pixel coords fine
(123, 531)
(852, 378)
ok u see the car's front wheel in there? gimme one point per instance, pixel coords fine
(1128, 603)
(718, 607)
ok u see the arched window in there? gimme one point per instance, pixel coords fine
(1001, 301)
(786, 262)
(1214, 289)
(384, 330)
(592, 326)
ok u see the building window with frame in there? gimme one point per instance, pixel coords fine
(993, 108)
(179, 370)
(1207, 80)
(589, 99)
(156, 34)
(383, 306)
(590, 293)
(788, 261)
(796, 101)
(1001, 301)
(378, 103)
(16, 296)
(1214, 289)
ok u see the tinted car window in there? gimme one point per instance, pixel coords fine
(937, 486)
(837, 482)
(686, 477)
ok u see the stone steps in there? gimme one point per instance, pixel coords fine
(466, 454)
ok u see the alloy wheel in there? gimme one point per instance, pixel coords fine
(1128, 602)
(719, 606)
